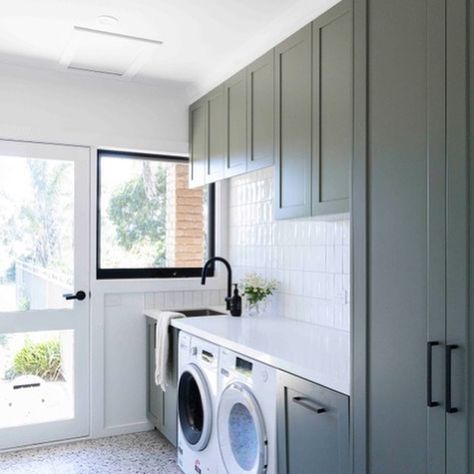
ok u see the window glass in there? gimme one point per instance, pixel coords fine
(149, 218)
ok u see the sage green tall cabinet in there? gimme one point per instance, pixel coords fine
(410, 401)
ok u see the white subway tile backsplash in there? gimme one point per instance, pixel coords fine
(309, 257)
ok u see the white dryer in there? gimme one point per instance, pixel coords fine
(246, 415)
(197, 390)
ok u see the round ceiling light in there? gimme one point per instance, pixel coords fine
(107, 20)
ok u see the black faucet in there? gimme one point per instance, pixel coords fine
(229, 277)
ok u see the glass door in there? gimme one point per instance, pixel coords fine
(44, 293)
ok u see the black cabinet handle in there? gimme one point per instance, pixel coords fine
(80, 295)
(449, 350)
(309, 404)
(429, 381)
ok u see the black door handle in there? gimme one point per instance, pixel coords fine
(80, 295)
(429, 381)
(309, 404)
(449, 350)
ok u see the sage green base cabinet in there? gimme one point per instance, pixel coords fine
(162, 406)
(314, 117)
(312, 428)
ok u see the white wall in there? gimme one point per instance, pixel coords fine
(309, 257)
(86, 109)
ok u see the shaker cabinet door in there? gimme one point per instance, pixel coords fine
(215, 135)
(235, 90)
(332, 110)
(261, 112)
(313, 428)
(197, 143)
(293, 126)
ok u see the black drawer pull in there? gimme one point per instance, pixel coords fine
(429, 381)
(449, 350)
(309, 404)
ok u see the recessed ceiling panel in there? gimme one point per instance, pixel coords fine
(106, 52)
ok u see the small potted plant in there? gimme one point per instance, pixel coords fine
(256, 290)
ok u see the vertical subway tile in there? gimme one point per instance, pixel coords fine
(309, 257)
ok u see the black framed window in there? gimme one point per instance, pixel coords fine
(149, 223)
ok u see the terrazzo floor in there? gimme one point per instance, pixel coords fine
(140, 453)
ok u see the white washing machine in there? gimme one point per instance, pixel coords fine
(246, 415)
(197, 391)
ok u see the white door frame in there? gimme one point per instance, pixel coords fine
(77, 318)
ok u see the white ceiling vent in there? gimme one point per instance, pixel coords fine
(107, 52)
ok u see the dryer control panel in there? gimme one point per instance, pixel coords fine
(243, 366)
(235, 366)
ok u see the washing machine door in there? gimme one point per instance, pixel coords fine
(194, 407)
(241, 431)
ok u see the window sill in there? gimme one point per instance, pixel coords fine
(147, 285)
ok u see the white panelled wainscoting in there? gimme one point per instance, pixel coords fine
(120, 382)
(309, 257)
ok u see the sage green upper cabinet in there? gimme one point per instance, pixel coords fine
(215, 135)
(235, 90)
(293, 126)
(332, 110)
(292, 107)
(260, 109)
(206, 138)
(198, 143)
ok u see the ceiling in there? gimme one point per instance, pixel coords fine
(195, 42)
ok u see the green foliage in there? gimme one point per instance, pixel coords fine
(42, 359)
(138, 211)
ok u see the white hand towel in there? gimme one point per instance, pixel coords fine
(162, 359)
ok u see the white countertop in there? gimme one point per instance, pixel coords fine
(316, 353)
